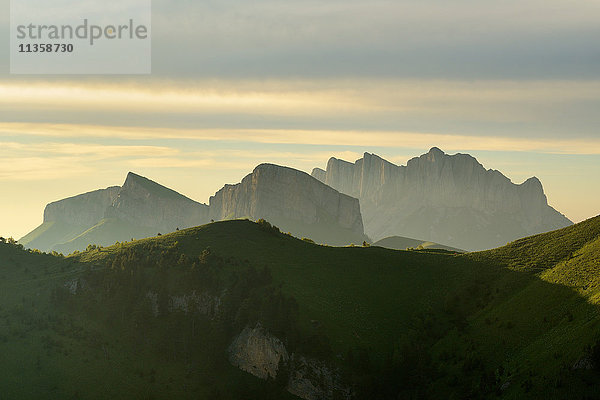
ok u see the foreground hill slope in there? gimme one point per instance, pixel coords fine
(547, 250)
(450, 199)
(478, 312)
(513, 322)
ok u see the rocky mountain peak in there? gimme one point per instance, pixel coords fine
(319, 174)
(435, 152)
(132, 177)
(533, 182)
(146, 203)
(140, 184)
(443, 198)
(294, 201)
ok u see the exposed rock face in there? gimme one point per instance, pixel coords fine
(138, 209)
(294, 201)
(257, 352)
(261, 354)
(291, 199)
(204, 303)
(450, 199)
(82, 210)
(66, 219)
(145, 203)
(319, 174)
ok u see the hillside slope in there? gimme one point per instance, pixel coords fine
(476, 312)
(510, 322)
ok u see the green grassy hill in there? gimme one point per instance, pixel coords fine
(507, 323)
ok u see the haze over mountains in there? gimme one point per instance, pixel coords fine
(448, 199)
(140, 208)
(291, 199)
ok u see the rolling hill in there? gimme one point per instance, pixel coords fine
(513, 322)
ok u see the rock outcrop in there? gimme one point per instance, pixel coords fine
(257, 352)
(450, 199)
(295, 202)
(263, 355)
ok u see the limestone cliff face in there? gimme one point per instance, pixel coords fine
(257, 352)
(261, 354)
(82, 210)
(450, 199)
(138, 209)
(145, 203)
(292, 200)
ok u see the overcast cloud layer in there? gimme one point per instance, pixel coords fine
(458, 39)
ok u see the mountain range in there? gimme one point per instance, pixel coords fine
(291, 199)
(447, 199)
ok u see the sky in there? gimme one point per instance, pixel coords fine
(236, 83)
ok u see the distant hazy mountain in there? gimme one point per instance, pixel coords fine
(138, 209)
(145, 203)
(66, 219)
(403, 243)
(443, 198)
(292, 200)
(295, 202)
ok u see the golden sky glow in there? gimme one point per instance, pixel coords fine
(59, 139)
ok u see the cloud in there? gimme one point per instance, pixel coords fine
(42, 168)
(362, 139)
(501, 108)
(404, 39)
(45, 161)
(92, 151)
(462, 39)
